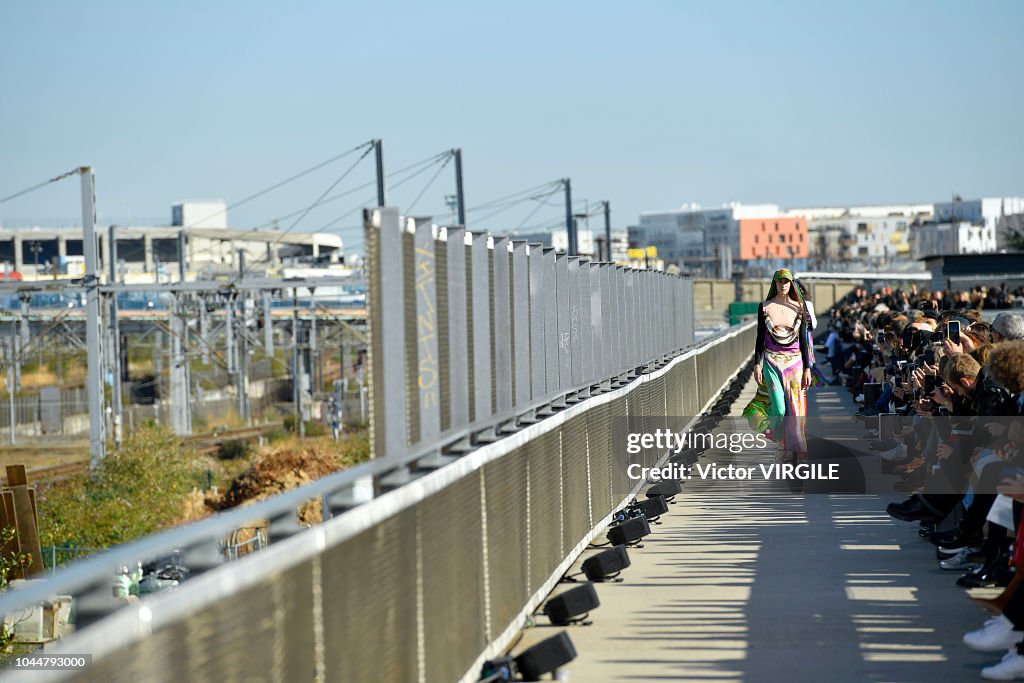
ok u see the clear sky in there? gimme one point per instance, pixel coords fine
(646, 104)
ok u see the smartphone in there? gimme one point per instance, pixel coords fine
(929, 384)
(953, 331)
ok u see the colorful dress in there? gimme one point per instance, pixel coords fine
(780, 404)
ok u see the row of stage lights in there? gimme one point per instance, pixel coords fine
(628, 527)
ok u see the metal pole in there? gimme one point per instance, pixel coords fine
(182, 262)
(570, 223)
(94, 366)
(204, 329)
(23, 324)
(315, 380)
(180, 411)
(115, 332)
(268, 326)
(17, 363)
(296, 388)
(460, 198)
(243, 362)
(378, 150)
(9, 347)
(608, 231)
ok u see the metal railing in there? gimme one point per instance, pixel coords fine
(439, 548)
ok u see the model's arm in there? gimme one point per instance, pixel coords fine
(761, 330)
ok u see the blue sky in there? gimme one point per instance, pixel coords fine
(646, 104)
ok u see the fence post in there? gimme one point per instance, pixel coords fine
(502, 315)
(458, 328)
(521, 322)
(386, 321)
(428, 364)
(481, 305)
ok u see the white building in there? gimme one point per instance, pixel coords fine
(943, 239)
(981, 213)
(876, 234)
(864, 211)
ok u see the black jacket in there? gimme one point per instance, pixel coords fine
(990, 397)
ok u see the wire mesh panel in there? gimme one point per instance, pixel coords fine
(618, 459)
(507, 533)
(452, 542)
(218, 643)
(575, 483)
(370, 603)
(545, 476)
(599, 455)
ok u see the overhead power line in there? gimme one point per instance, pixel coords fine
(62, 176)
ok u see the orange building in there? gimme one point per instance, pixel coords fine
(770, 239)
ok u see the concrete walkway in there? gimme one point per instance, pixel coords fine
(747, 582)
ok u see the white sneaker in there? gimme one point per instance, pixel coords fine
(858, 398)
(894, 454)
(997, 634)
(959, 561)
(1010, 668)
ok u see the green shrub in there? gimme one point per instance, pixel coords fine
(135, 491)
(232, 450)
(315, 428)
(275, 435)
(311, 427)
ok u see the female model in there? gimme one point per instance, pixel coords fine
(782, 366)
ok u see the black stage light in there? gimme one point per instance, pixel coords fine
(665, 489)
(629, 531)
(499, 670)
(606, 564)
(545, 657)
(652, 508)
(572, 605)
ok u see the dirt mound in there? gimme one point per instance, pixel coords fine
(280, 469)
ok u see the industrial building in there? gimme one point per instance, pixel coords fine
(145, 253)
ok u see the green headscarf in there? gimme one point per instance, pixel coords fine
(787, 274)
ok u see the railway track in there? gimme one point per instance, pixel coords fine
(204, 444)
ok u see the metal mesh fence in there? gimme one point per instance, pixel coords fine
(442, 568)
(419, 583)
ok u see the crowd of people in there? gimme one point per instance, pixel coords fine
(941, 377)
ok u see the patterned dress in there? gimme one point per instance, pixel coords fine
(779, 407)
